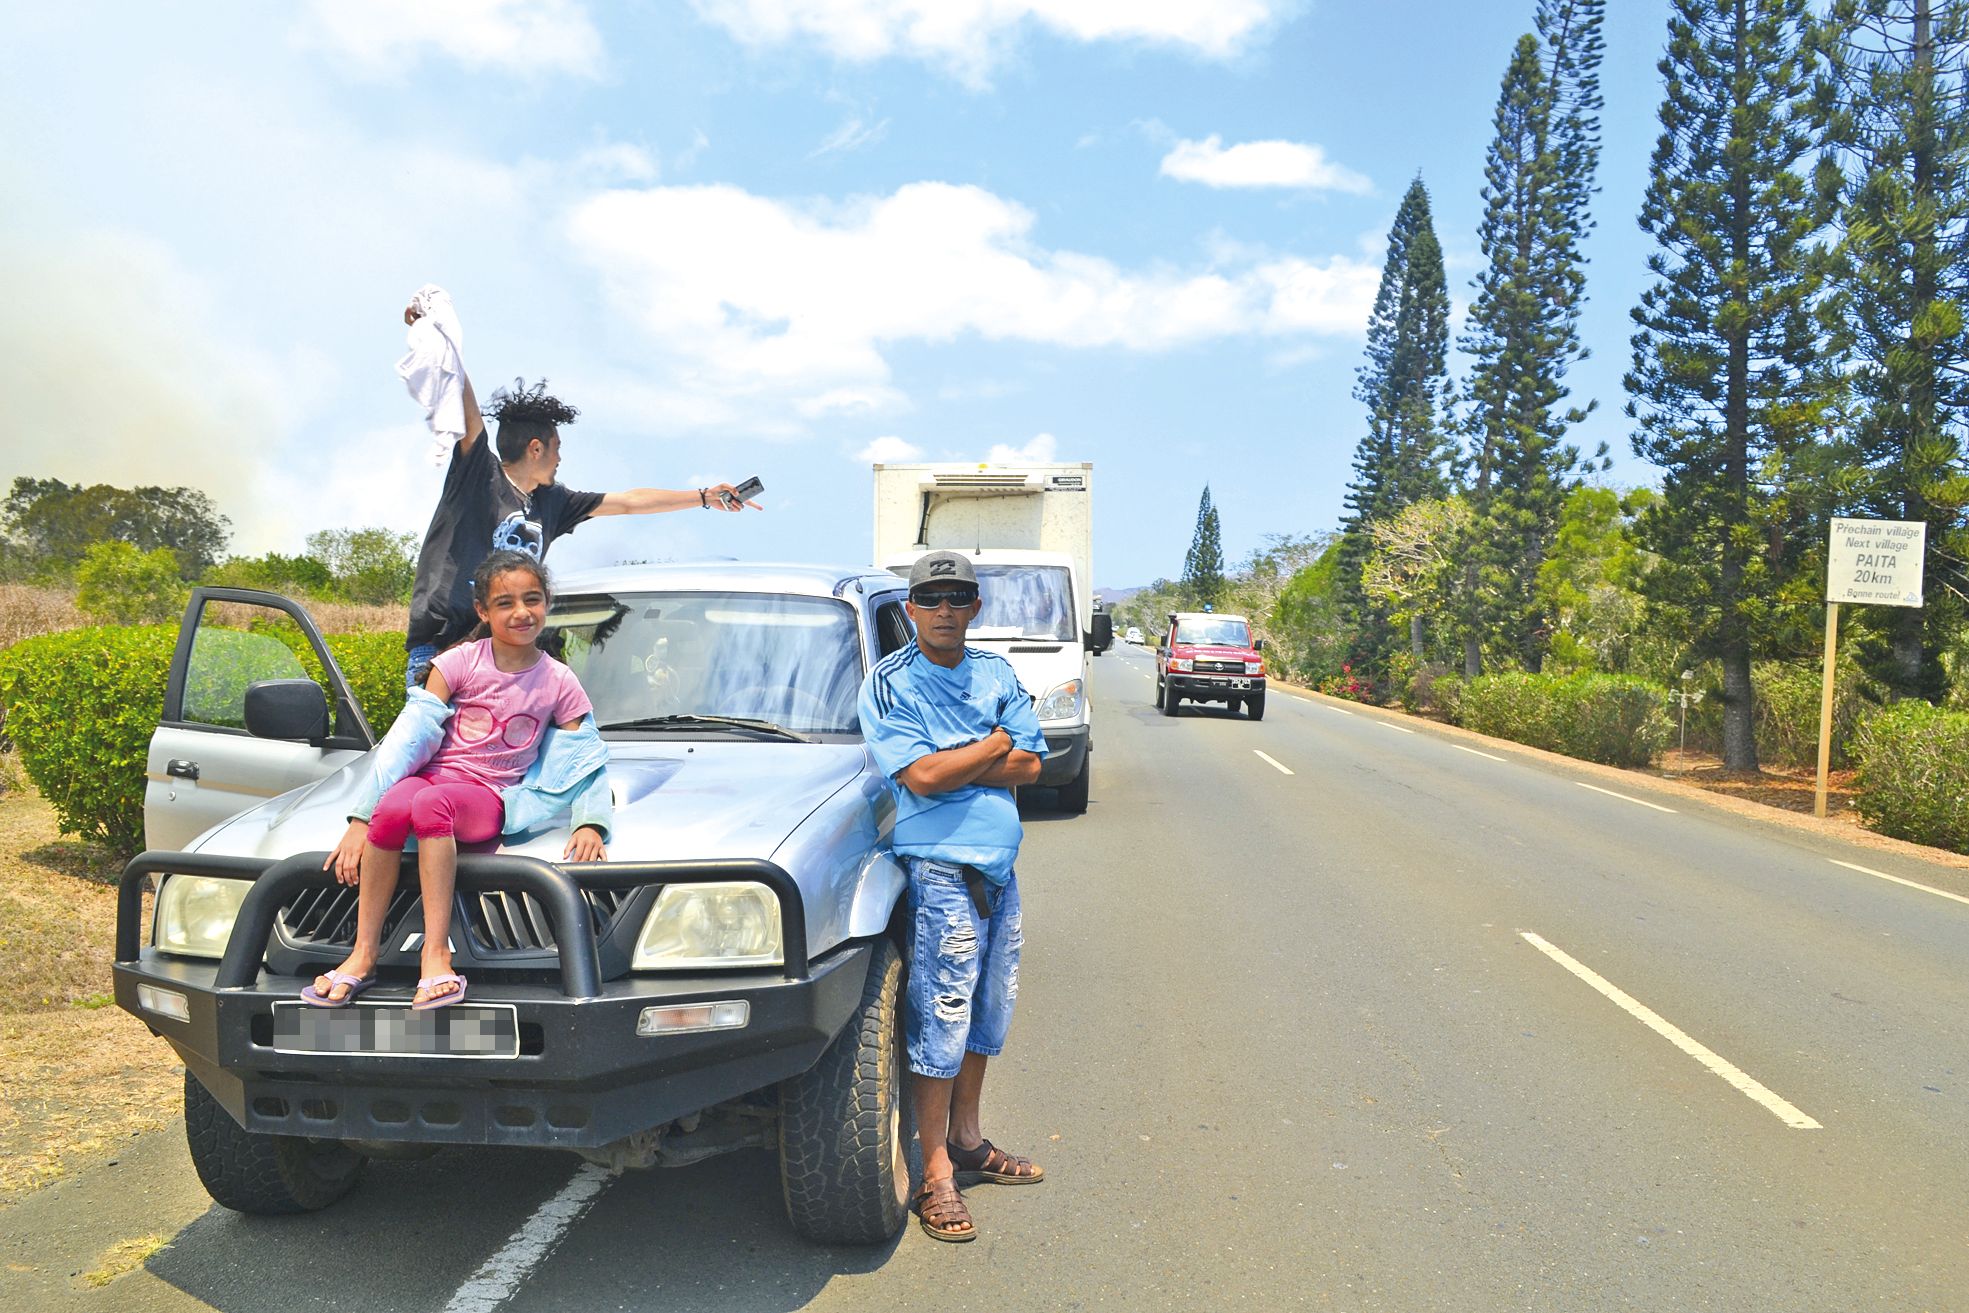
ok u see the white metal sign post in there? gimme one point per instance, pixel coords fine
(1876, 563)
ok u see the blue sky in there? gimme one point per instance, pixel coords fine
(754, 236)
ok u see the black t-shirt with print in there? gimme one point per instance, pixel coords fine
(479, 512)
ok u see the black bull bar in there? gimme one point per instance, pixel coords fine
(276, 881)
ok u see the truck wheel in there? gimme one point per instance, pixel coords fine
(1073, 794)
(1255, 706)
(1158, 695)
(1170, 699)
(846, 1140)
(251, 1172)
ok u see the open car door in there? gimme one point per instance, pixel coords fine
(204, 764)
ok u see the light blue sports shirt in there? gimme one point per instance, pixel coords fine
(912, 707)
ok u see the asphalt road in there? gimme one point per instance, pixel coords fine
(1411, 1027)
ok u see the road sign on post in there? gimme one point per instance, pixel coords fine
(1874, 562)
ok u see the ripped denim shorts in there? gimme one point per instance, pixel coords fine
(963, 970)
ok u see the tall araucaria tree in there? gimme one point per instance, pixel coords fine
(1523, 326)
(1897, 97)
(1203, 565)
(1406, 452)
(1728, 385)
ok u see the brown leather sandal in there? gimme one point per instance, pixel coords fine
(988, 1162)
(940, 1211)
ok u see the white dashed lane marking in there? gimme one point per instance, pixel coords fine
(1653, 1020)
(1473, 752)
(1638, 802)
(1926, 889)
(1274, 764)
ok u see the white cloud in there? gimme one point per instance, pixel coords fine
(851, 136)
(968, 37)
(386, 37)
(1260, 164)
(1042, 450)
(889, 448)
(750, 297)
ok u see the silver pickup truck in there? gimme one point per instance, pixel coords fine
(728, 979)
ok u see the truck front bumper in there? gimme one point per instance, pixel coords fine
(583, 1076)
(1066, 754)
(1215, 688)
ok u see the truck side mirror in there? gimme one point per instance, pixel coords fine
(287, 709)
(1258, 646)
(1102, 636)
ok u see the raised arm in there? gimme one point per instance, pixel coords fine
(651, 501)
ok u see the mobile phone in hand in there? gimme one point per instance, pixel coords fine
(744, 492)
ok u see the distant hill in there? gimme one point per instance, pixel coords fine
(1113, 597)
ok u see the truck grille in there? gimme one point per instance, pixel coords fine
(1220, 667)
(496, 920)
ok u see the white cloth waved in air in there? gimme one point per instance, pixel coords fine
(434, 367)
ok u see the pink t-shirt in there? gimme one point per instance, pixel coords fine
(497, 718)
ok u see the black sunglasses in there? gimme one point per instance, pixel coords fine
(929, 599)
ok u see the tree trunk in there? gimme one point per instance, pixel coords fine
(1733, 631)
(1739, 711)
(1415, 638)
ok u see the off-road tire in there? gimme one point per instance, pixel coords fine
(251, 1172)
(1170, 699)
(1255, 707)
(1073, 794)
(847, 1143)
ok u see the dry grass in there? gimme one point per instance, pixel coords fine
(77, 1075)
(123, 1256)
(26, 610)
(330, 617)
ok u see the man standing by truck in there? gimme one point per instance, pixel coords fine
(955, 732)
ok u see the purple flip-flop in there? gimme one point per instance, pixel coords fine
(356, 984)
(443, 1000)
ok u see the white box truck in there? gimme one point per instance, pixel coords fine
(1029, 531)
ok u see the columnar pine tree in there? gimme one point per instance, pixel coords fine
(1523, 326)
(1203, 566)
(1727, 384)
(1899, 115)
(1404, 383)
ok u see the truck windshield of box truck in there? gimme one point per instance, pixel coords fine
(1025, 601)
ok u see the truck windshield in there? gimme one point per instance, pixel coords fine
(1214, 633)
(794, 662)
(1025, 601)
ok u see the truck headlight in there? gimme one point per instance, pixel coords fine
(710, 925)
(1182, 665)
(195, 914)
(1062, 703)
(1254, 667)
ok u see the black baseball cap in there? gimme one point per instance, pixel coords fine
(942, 568)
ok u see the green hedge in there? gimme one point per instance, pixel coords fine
(80, 707)
(1913, 777)
(1615, 719)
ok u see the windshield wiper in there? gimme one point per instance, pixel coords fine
(694, 722)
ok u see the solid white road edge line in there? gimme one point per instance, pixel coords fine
(1782, 1110)
(1638, 802)
(1275, 765)
(495, 1281)
(1399, 729)
(1926, 889)
(1473, 752)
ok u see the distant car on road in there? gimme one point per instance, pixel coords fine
(1134, 634)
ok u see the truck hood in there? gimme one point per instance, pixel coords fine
(1213, 652)
(673, 800)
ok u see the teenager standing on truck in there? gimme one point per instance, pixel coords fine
(954, 732)
(512, 503)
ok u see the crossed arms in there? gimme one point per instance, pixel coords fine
(991, 761)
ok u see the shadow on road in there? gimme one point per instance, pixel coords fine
(713, 1236)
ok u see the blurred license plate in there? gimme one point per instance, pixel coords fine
(1238, 683)
(463, 1030)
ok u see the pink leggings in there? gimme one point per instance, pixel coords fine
(464, 810)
